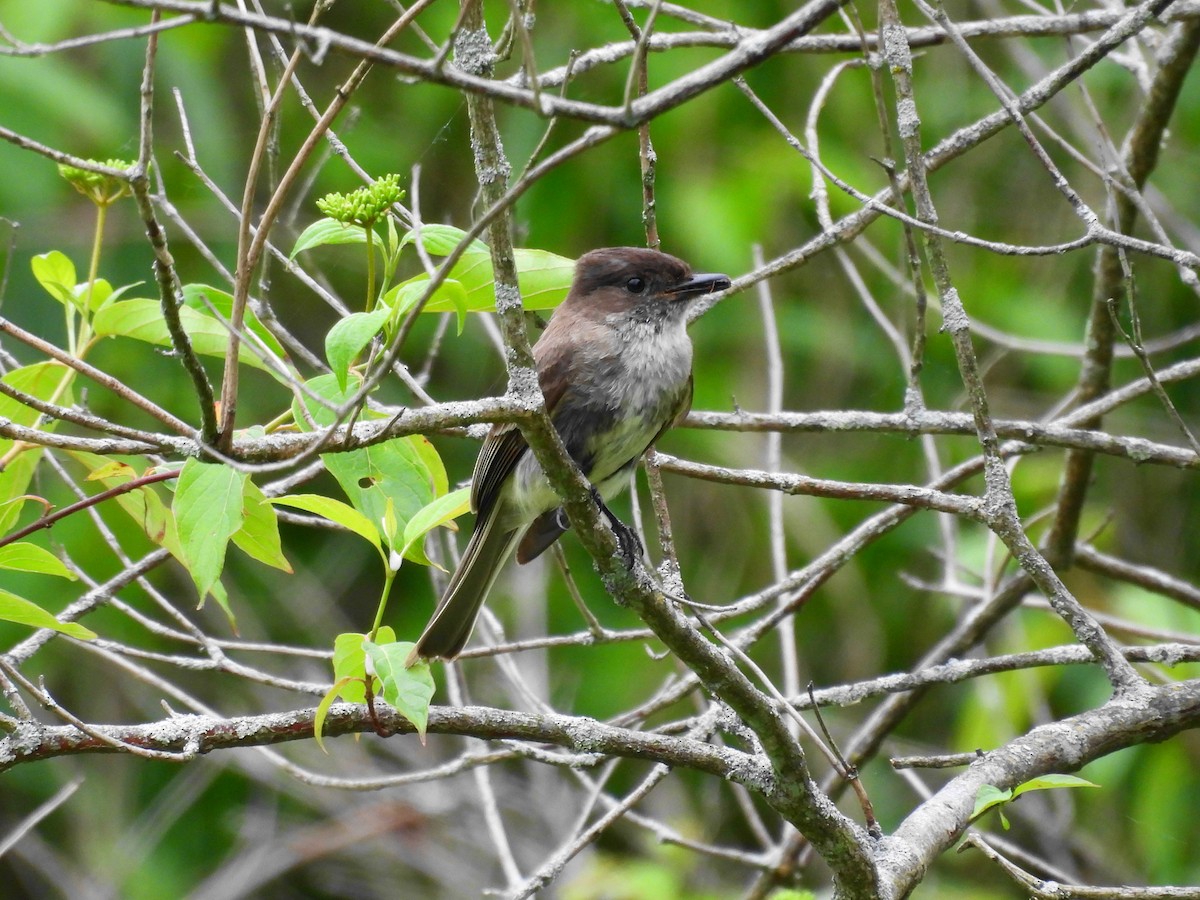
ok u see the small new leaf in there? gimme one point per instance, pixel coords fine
(1049, 782)
(56, 273)
(349, 673)
(989, 796)
(323, 708)
(410, 689)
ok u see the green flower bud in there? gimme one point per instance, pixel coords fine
(100, 189)
(365, 206)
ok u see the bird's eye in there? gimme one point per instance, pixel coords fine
(635, 285)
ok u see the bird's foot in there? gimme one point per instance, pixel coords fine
(628, 542)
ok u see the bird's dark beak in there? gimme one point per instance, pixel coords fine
(700, 284)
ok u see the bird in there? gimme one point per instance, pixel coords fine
(615, 368)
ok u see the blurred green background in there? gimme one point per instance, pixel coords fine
(726, 183)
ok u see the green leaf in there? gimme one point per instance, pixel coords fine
(428, 454)
(544, 277)
(110, 470)
(405, 295)
(101, 292)
(988, 796)
(259, 535)
(410, 689)
(348, 337)
(327, 701)
(349, 673)
(208, 512)
(350, 666)
(56, 273)
(23, 612)
(440, 240)
(142, 320)
(143, 505)
(438, 512)
(328, 231)
(1049, 782)
(41, 380)
(396, 471)
(406, 470)
(335, 511)
(327, 388)
(391, 527)
(200, 296)
(350, 660)
(26, 557)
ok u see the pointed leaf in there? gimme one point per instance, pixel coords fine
(328, 231)
(259, 535)
(26, 557)
(327, 701)
(439, 512)
(335, 511)
(142, 320)
(409, 690)
(988, 796)
(348, 337)
(23, 612)
(208, 512)
(56, 273)
(41, 380)
(440, 240)
(201, 296)
(1051, 781)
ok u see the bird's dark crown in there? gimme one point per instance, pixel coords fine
(639, 272)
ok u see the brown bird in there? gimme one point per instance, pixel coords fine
(615, 367)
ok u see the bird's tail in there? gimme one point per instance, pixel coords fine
(453, 620)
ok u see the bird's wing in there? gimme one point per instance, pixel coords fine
(497, 458)
(505, 444)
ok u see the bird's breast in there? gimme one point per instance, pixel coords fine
(647, 390)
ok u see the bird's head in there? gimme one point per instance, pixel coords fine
(637, 281)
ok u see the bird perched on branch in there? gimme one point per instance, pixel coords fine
(615, 367)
